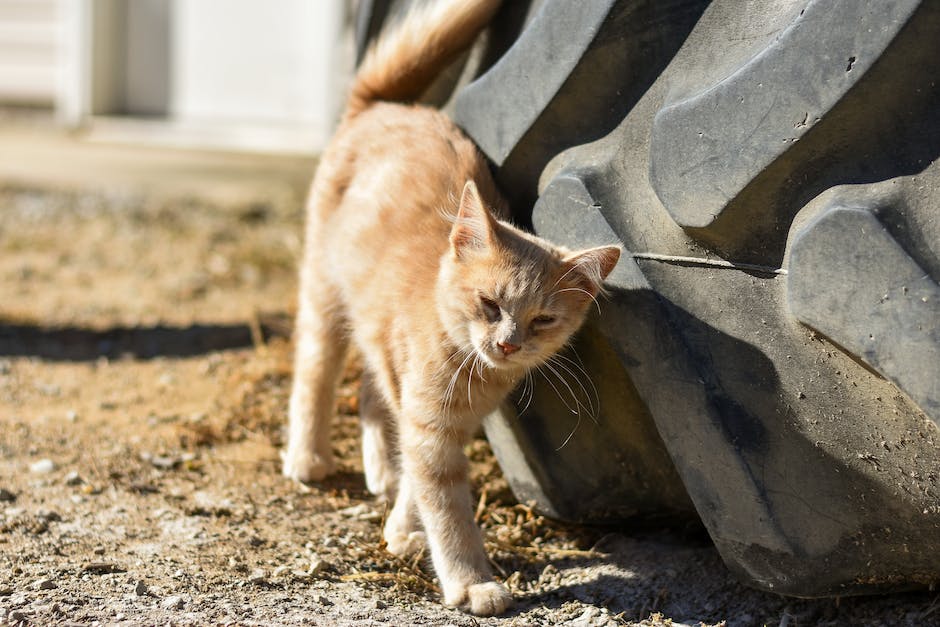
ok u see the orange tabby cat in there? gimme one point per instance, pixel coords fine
(449, 306)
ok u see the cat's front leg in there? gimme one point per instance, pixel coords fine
(435, 467)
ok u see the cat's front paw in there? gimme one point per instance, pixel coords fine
(305, 466)
(405, 544)
(481, 599)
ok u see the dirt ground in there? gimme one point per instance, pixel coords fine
(144, 372)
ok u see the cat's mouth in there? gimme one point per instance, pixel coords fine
(498, 360)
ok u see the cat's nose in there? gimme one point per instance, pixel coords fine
(507, 348)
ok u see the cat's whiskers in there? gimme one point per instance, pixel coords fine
(574, 410)
(476, 359)
(528, 385)
(578, 289)
(457, 352)
(563, 400)
(570, 435)
(480, 366)
(574, 396)
(449, 393)
(579, 363)
(593, 400)
(562, 277)
(580, 366)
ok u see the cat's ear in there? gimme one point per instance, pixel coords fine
(473, 228)
(588, 268)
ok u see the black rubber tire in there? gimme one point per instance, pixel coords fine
(770, 350)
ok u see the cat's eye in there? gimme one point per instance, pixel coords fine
(490, 309)
(541, 322)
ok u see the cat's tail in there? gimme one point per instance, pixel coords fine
(404, 62)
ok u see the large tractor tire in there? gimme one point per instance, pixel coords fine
(769, 352)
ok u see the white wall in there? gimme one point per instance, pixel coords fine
(244, 74)
(29, 39)
(253, 59)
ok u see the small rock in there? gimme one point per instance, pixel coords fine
(379, 604)
(164, 462)
(140, 589)
(588, 618)
(17, 616)
(258, 576)
(73, 478)
(322, 599)
(48, 515)
(361, 512)
(5, 592)
(46, 584)
(317, 566)
(42, 467)
(102, 568)
(6, 496)
(174, 602)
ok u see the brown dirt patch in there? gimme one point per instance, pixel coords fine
(144, 372)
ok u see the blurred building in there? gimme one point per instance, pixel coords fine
(235, 74)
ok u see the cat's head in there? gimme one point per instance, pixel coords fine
(514, 298)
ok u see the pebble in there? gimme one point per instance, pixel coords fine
(163, 462)
(361, 512)
(317, 566)
(322, 599)
(594, 617)
(174, 602)
(46, 584)
(42, 467)
(257, 576)
(73, 478)
(140, 589)
(102, 568)
(48, 515)
(6, 496)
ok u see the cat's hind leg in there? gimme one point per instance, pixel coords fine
(321, 345)
(379, 446)
(402, 532)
